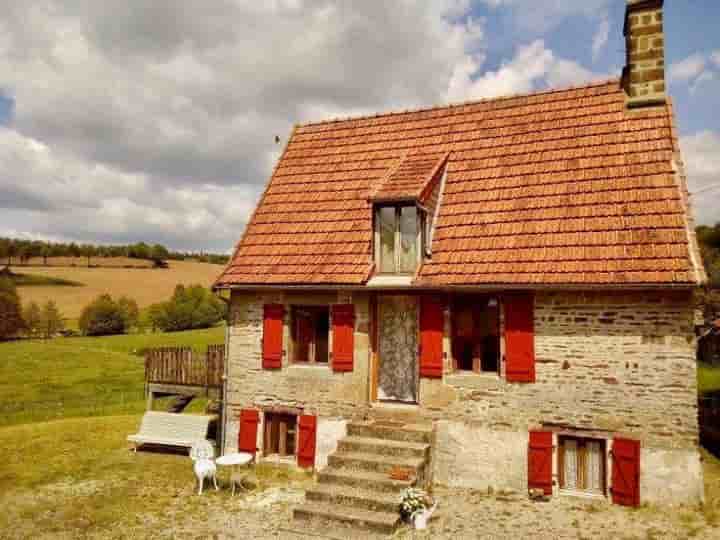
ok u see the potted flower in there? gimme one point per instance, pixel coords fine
(416, 507)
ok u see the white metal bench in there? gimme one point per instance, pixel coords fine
(171, 429)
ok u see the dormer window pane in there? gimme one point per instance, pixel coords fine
(386, 223)
(408, 239)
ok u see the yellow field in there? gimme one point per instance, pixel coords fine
(145, 285)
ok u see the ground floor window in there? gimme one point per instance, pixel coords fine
(581, 464)
(280, 434)
(476, 334)
(310, 333)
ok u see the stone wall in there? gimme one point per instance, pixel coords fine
(617, 363)
(314, 389)
(645, 42)
(623, 362)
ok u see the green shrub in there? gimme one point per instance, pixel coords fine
(51, 321)
(189, 308)
(32, 316)
(11, 319)
(105, 316)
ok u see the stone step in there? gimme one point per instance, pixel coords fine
(362, 480)
(377, 501)
(385, 447)
(373, 462)
(400, 432)
(384, 522)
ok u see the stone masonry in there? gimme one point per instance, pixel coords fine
(617, 362)
(645, 45)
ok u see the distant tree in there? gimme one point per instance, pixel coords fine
(11, 320)
(4, 248)
(74, 250)
(45, 251)
(190, 307)
(709, 240)
(88, 251)
(11, 252)
(51, 321)
(104, 316)
(33, 318)
(130, 310)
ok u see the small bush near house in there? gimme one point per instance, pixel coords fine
(189, 308)
(105, 316)
(11, 319)
(51, 321)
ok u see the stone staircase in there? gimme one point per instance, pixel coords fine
(355, 488)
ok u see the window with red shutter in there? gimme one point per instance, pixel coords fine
(519, 338)
(432, 322)
(540, 461)
(272, 336)
(307, 434)
(247, 436)
(625, 487)
(343, 327)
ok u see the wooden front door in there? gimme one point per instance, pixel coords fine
(397, 348)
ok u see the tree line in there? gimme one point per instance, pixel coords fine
(189, 308)
(709, 240)
(18, 251)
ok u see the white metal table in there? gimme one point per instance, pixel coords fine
(236, 460)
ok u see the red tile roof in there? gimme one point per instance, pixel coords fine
(411, 179)
(558, 187)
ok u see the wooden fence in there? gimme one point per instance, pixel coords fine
(183, 366)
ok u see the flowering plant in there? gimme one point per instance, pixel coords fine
(413, 500)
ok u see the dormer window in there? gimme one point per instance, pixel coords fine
(398, 238)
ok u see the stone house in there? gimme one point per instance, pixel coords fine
(496, 293)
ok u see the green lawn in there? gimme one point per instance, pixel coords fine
(77, 478)
(708, 378)
(66, 377)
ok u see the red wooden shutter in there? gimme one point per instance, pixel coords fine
(307, 431)
(431, 337)
(626, 472)
(272, 336)
(519, 338)
(343, 323)
(247, 437)
(540, 459)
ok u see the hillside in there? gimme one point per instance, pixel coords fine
(145, 285)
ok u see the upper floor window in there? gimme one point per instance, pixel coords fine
(398, 238)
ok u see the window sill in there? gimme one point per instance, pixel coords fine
(473, 379)
(310, 370)
(582, 494)
(390, 280)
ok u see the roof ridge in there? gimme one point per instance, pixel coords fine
(450, 105)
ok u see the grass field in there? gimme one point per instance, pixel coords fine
(67, 377)
(76, 478)
(145, 285)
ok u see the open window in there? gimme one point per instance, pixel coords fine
(476, 334)
(581, 465)
(399, 233)
(310, 331)
(280, 434)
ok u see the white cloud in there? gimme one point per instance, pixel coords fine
(687, 69)
(701, 154)
(156, 120)
(715, 56)
(532, 67)
(600, 38)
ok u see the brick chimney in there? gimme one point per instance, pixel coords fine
(644, 73)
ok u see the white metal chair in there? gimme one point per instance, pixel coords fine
(202, 453)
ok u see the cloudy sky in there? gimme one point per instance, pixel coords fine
(128, 120)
